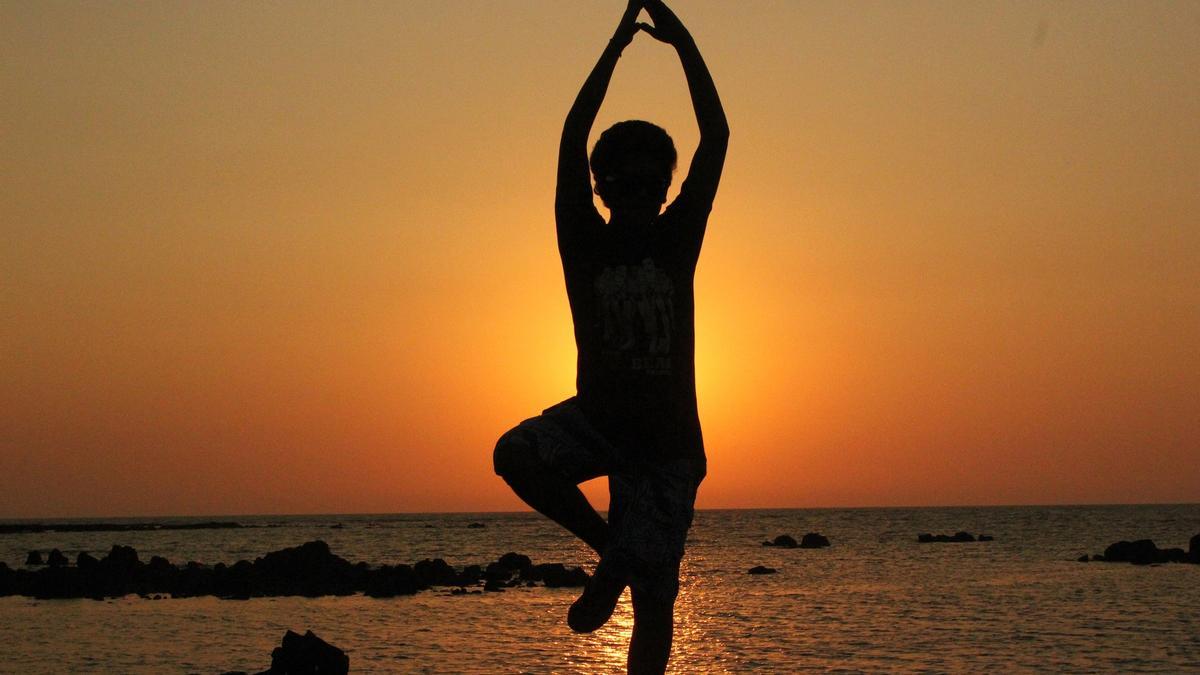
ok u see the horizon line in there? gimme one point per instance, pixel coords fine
(359, 514)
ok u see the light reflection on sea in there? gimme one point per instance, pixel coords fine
(876, 600)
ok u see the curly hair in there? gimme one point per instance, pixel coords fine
(628, 138)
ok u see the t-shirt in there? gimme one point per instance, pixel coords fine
(632, 302)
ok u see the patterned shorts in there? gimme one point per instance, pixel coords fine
(651, 503)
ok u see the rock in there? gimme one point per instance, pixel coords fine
(986, 537)
(57, 559)
(558, 575)
(121, 557)
(435, 572)
(309, 569)
(926, 538)
(493, 586)
(1175, 555)
(1140, 552)
(814, 540)
(515, 562)
(1194, 549)
(86, 561)
(782, 541)
(307, 654)
(760, 569)
(476, 526)
(34, 558)
(1082, 558)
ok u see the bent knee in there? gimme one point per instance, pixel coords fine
(513, 453)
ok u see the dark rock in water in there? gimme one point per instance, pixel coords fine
(1175, 555)
(476, 526)
(814, 540)
(121, 557)
(1140, 552)
(435, 572)
(34, 558)
(493, 586)
(515, 562)
(782, 541)
(957, 537)
(388, 582)
(308, 570)
(1082, 558)
(497, 572)
(986, 537)
(307, 654)
(557, 575)
(337, 526)
(57, 559)
(760, 569)
(1144, 552)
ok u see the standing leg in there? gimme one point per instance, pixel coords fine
(653, 625)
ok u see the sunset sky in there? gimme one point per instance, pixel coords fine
(300, 257)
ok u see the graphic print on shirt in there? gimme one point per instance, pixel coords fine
(637, 312)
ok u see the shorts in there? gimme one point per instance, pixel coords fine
(651, 502)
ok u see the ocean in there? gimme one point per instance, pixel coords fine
(875, 600)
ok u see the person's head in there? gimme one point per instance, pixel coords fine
(632, 163)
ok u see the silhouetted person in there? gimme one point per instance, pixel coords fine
(629, 282)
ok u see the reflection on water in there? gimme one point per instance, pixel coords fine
(875, 600)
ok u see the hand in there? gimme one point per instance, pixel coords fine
(667, 27)
(628, 26)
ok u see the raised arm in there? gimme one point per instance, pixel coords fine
(574, 192)
(700, 186)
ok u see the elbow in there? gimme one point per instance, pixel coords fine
(716, 134)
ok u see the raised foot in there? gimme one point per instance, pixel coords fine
(595, 606)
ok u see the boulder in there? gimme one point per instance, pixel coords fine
(388, 582)
(305, 654)
(986, 537)
(1082, 558)
(34, 558)
(1194, 549)
(86, 561)
(476, 526)
(814, 540)
(120, 558)
(57, 559)
(515, 562)
(761, 569)
(782, 541)
(435, 572)
(1140, 552)
(557, 575)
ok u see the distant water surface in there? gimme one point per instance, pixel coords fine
(875, 600)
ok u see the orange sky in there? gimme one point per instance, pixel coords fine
(296, 258)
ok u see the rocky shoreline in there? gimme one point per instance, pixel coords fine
(309, 570)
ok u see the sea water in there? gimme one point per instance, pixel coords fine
(875, 600)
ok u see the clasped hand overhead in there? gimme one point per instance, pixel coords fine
(666, 28)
